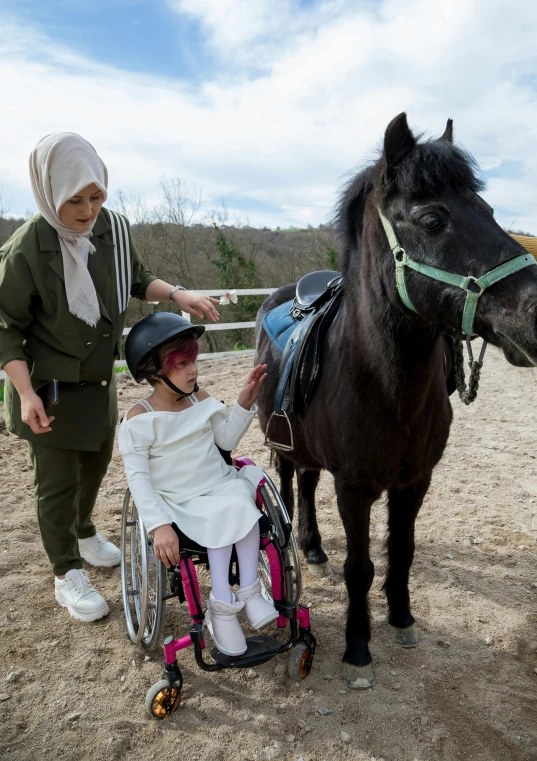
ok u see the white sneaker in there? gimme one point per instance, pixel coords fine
(76, 593)
(96, 550)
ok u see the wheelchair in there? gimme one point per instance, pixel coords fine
(147, 585)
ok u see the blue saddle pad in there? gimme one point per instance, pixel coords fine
(279, 324)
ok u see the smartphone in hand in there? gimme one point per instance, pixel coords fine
(48, 393)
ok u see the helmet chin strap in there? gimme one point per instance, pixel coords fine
(173, 387)
(167, 381)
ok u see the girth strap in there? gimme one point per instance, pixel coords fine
(473, 286)
(283, 391)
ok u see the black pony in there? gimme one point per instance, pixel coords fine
(380, 418)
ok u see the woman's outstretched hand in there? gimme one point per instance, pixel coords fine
(197, 305)
(252, 387)
(166, 545)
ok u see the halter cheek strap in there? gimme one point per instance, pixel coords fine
(474, 286)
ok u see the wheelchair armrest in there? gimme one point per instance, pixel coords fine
(240, 462)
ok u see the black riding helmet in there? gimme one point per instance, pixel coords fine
(151, 332)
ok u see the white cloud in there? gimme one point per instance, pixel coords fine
(332, 79)
(256, 32)
(232, 25)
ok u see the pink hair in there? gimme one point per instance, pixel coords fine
(187, 353)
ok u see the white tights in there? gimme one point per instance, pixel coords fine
(248, 556)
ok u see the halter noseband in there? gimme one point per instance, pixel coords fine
(474, 286)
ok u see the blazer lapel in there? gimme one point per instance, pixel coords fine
(56, 263)
(50, 243)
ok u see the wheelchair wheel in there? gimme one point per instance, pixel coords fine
(143, 580)
(159, 703)
(276, 511)
(300, 661)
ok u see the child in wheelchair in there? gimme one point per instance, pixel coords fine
(177, 476)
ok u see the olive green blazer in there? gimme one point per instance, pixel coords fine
(37, 326)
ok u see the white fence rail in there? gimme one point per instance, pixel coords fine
(214, 325)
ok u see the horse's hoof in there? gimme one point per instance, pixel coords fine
(408, 637)
(320, 570)
(358, 677)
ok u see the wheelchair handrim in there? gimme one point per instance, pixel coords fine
(141, 613)
(293, 578)
(132, 584)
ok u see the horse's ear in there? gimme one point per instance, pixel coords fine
(448, 132)
(398, 141)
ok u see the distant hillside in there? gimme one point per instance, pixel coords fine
(8, 227)
(202, 256)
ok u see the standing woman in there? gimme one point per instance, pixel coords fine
(65, 280)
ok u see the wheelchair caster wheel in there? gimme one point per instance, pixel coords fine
(300, 660)
(158, 701)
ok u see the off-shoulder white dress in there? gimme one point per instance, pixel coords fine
(176, 473)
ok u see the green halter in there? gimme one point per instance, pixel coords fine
(402, 260)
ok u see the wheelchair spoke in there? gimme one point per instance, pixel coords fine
(276, 511)
(264, 578)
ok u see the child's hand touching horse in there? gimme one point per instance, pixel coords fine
(252, 387)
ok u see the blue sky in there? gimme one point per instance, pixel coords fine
(266, 105)
(137, 35)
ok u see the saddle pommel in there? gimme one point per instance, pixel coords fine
(313, 290)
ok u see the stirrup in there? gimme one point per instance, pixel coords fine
(274, 444)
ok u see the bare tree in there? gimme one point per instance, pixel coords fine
(4, 206)
(134, 209)
(179, 204)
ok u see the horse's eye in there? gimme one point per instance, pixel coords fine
(430, 222)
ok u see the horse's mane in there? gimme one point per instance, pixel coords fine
(430, 168)
(348, 217)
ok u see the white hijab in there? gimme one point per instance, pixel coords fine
(62, 165)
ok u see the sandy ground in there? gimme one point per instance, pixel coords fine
(468, 692)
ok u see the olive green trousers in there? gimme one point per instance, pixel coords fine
(66, 484)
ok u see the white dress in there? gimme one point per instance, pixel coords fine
(177, 475)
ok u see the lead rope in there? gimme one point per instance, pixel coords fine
(467, 393)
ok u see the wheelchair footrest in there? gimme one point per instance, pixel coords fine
(261, 648)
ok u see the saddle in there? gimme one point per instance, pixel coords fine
(313, 310)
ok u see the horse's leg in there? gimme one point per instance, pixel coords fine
(285, 469)
(309, 538)
(403, 507)
(354, 504)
